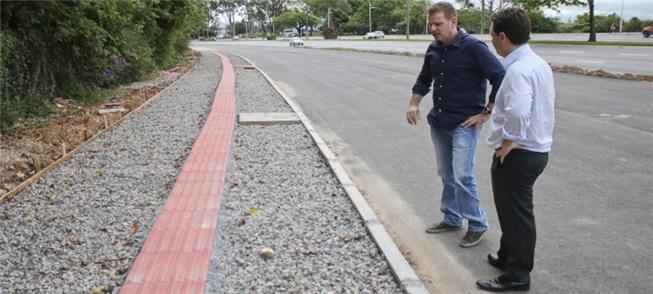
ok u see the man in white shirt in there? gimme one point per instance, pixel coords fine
(521, 133)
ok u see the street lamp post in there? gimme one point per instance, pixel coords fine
(369, 13)
(408, 19)
(208, 20)
(426, 31)
(329, 18)
(621, 22)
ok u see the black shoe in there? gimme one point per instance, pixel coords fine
(496, 285)
(493, 260)
(442, 227)
(471, 238)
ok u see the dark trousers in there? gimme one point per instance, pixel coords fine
(512, 186)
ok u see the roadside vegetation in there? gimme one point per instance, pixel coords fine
(261, 18)
(78, 49)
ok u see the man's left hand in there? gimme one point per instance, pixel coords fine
(476, 120)
(506, 147)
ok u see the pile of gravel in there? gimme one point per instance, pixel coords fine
(281, 195)
(81, 227)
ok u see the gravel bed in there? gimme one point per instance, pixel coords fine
(254, 92)
(281, 194)
(83, 224)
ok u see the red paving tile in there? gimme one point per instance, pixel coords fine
(176, 255)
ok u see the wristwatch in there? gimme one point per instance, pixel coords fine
(487, 110)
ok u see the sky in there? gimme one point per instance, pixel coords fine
(643, 9)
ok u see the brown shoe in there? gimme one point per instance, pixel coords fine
(471, 238)
(442, 227)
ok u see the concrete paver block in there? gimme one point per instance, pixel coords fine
(269, 118)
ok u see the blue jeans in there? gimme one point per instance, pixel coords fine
(455, 151)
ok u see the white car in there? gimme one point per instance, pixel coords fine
(370, 35)
(296, 42)
(379, 34)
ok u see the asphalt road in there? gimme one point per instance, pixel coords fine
(593, 203)
(615, 59)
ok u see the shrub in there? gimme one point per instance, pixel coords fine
(71, 48)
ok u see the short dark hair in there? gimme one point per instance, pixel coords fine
(444, 7)
(513, 22)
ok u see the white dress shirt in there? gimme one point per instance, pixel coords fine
(523, 110)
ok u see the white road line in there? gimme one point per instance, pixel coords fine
(589, 61)
(572, 52)
(634, 54)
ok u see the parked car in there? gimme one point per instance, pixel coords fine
(379, 34)
(289, 33)
(296, 42)
(370, 35)
(647, 31)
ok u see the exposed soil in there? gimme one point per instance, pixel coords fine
(25, 151)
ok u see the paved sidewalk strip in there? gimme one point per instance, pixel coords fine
(175, 256)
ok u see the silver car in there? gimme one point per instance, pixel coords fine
(296, 42)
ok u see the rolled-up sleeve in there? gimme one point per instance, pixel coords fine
(518, 101)
(424, 79)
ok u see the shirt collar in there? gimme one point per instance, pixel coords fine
(456, 41)
(516, 54)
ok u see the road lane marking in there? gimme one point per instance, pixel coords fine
(589, 61)
(572, 52)
(634, 54)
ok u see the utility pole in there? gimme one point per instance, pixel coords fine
(621, 22)
(306, 12)
(369, 13)
(482, 16)
(426, 30)
(328, 18)
(408, 19)
(208, 20)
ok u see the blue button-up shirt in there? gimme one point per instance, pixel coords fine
(458, 73)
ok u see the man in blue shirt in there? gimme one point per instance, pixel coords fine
(458, 67)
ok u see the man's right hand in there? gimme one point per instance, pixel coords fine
(412, 116)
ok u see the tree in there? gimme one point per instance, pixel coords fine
(72, 48)
(554, 4)
(335, 10)
(634, 25)
(270, 9)
(229, 9)
(416, 17)
(487, 7)
(470, 19)
(542, 24)
(386, 15)
(295, 19)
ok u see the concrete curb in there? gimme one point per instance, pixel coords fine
(401, 269)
